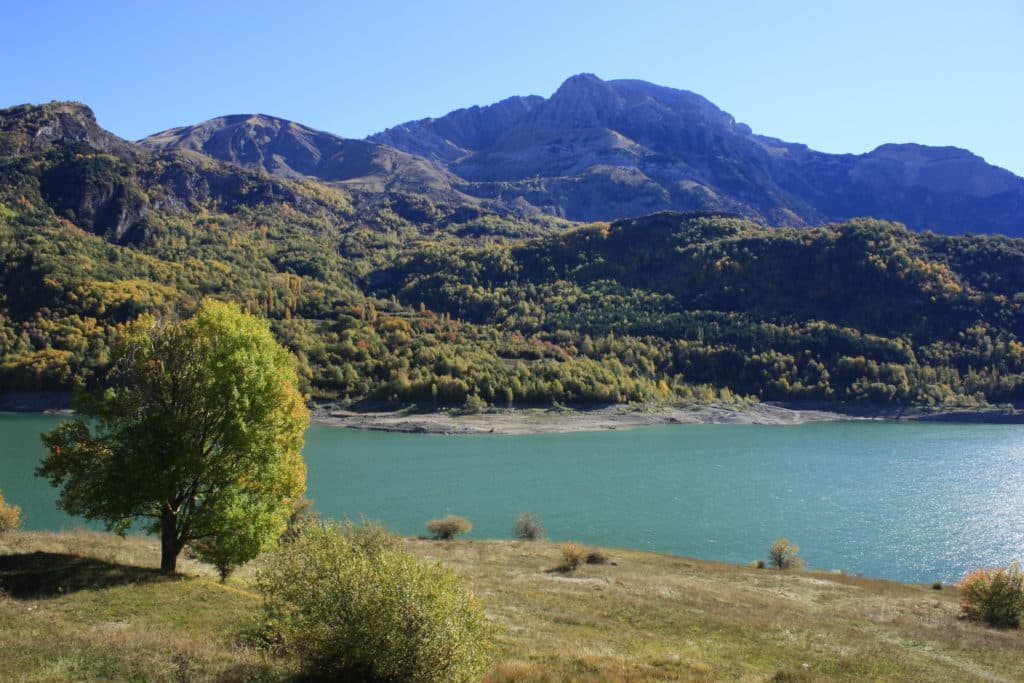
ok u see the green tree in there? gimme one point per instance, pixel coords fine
(196, 432)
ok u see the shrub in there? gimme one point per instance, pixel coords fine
(448, 528)
(783, 554)
(528, 528)
(757, 564)
(573, 555)
(300, 518)
(352, 605)
(10, 516)
(474, 404)
(596, 557)
(994, 596)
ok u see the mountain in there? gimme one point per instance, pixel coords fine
(604, 150)
(288, 149)
(56, 158)
(392, 297)
(600, 150)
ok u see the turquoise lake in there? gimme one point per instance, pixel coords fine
(913, 502)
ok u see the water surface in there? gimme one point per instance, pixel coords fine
(914, 502)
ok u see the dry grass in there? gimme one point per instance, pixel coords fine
(102, 613)
(654, 617)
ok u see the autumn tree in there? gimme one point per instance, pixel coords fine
(10, 516)
(196, 433)
(783, 554)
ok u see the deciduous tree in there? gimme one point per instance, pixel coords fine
(196, 432)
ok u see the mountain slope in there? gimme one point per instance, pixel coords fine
(55, 157)
(599, 150)
(95, 231)
(603, 150)
(288, 149)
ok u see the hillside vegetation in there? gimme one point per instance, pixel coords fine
(86, 606)
(399, 298)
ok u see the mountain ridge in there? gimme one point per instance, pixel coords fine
(675, 150)
(289, 149)
(606, 150)
(59, 154)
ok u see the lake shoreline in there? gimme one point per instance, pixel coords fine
(517, 421)
(534, 420)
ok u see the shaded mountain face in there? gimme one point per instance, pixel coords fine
(608, 149)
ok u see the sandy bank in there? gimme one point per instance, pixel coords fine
(585, 419)
(539, 421)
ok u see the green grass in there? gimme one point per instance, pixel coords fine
(86, 606)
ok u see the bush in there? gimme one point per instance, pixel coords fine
(784, 555)
(573, 555)
(474, 404)
(596, 557)
(448, 528)
(10, 516)
(301, 517)
(994, 596)
(352, 605)
(527, 528)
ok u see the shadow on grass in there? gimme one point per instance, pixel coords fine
(561, 571)
(47, 575)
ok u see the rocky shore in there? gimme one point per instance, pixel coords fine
(585, 419)
(539, 420)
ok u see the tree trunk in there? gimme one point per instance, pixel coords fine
(169, 546)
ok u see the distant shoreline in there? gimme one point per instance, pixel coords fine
(612, 417)
(544, 421)
(35, 401)
(533, 420)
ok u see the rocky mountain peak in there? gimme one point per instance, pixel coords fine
(29, 128)
(273, 144)
(582, 101)
(288, 149)
(599, 150)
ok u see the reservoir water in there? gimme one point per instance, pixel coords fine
(913, 502)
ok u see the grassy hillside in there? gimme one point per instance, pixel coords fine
(86, 606)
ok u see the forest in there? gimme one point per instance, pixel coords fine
(407, 301)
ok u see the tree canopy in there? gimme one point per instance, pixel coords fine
(196, 431)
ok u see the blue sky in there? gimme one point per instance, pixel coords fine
(839, 76)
